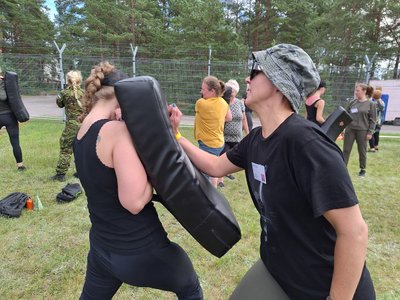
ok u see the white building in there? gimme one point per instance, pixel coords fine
(392, 89)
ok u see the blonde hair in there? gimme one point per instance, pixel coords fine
(377, 94)
(94, 90)
(74, 79)
(234, 85)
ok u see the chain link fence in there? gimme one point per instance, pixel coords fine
(180, 79)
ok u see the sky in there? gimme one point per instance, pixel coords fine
(50, 4)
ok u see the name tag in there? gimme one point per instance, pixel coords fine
(259, 172)
(354, 110)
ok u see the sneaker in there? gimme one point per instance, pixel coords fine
(371, 150)
(58, 177)
(361, 173)
(221, 184)
(21, 168)
(230, 176)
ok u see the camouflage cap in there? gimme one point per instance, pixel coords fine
(291, 70)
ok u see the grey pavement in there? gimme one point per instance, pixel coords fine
(45, 107)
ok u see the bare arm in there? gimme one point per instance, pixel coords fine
(320, 111)
(245, 125)
(350, 250)
(134, 190)
(215, 166)
(228, 116)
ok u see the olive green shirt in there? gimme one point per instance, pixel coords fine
(363, 114)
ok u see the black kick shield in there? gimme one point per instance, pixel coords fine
(182, 189)
(14, 98)
(336, 123)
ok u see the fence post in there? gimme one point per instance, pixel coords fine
(61, 74)
(209, 60)
(369, 66)
(62, 81)
(134, 51)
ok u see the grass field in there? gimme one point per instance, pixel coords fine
(43, 253)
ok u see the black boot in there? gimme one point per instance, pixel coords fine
(59, 177)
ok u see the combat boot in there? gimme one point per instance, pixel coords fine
(59, 177)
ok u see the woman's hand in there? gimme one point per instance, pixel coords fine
(175, 116)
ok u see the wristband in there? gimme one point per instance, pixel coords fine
(178, 135)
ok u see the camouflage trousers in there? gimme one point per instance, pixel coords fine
(66, 143)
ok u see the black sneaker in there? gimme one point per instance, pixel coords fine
(59, 177)
(21, 168)
(221, 184)
(362, 173)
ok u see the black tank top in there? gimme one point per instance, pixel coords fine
(312, 112)
(113, 227)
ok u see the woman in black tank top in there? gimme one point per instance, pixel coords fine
(315, 105)
(128, 243)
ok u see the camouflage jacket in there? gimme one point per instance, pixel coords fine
(67, 99)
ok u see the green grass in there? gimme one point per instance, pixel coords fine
(43, 253)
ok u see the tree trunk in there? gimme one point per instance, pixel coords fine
(267, 22)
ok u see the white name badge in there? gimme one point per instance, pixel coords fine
(259, 172)
(354, 110)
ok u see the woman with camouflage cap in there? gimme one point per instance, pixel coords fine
(313, 237)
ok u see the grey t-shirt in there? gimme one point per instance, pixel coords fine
(233, 129)
(363, 114)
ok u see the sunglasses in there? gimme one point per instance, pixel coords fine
(255, 70)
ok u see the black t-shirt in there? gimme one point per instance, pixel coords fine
(294, 176)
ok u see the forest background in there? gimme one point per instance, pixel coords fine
(180, 41)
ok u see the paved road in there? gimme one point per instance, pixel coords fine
(45, 107)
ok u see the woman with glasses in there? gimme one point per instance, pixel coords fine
(313, 237)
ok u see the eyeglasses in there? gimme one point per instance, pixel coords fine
(255, 70)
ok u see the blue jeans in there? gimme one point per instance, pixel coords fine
(213, 151)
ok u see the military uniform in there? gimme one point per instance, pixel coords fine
(72, 110)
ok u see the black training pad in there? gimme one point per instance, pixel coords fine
(14, 98)
(183, 190)
(332, 127)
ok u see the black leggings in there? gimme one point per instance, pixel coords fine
(167, 268)
(10, 122)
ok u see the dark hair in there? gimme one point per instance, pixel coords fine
(227, 94)
(322, 84)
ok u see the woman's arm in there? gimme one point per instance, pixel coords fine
(134, 189)
(320, 111)
(245, 125)
(350, 250)
(228, 116)
(215, 166)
